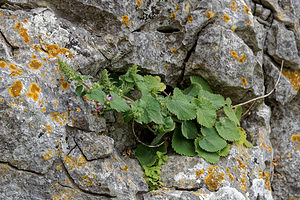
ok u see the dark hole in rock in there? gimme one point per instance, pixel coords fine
(167, 29)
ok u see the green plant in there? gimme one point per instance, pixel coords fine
(198, 121)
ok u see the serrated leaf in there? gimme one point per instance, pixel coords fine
(118, 103)
(200, 81)
(248, 144)
(231, 114)
(78, 90)
(211, 142)
(238, 112)
(146, 155)
(180, 106)
(97, 95)
(228, 130)
(216, 99)
(192, 90)
(169, 124)
(152, 109)
(228, 101)
(181, 145)
(154, 84)
(207, 156)
(225, 151)
(243, 136)
(206, 112)
(189, 130)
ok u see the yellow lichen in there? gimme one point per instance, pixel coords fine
(65, 85)
(247, 10)
(226, 18)
(173, 15)
(2, 64)
(35, 64)
(125, 20)
(234, 55)
(190, 19)
(244, 82)
(48, 155)
(125, 168)
(214, 178)
(138, 3)
(15, 89)
(209, 14)
(294, 77)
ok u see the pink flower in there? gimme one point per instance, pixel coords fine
(99, 108)
(108, 97)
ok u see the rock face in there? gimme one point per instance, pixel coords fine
(54, 146)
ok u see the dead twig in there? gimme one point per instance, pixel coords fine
(266, 95)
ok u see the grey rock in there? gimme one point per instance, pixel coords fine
(167, 194)
(282, 46)
(262, 12)
(93, 145)
(227, 193)
(284, 91)
(212, 60)
(284, 124)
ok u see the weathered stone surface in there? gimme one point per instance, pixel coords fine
(213, 60)
(282, 46)
(284, 124)
(284, 91)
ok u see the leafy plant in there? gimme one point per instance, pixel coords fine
(198, 121)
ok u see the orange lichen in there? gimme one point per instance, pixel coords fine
(18, 26)
(12, 66)
(243, 184)
(242, 59)
(125, 20)
(35, 64)
(247, 10)
(209, 14)
(48, 155)
(65, 85)
(199, 173)
(226, 18)
(294, 77)
(34, 88)
(2, 64)
(15, 89)
(173, 15)
(190, 19)
(79, 162)
(138, 3)
(270, 148)
(244, 81)
(1, 99)
(177, 7)
(1, 14)
(227, 169)
(173, 50)
(230, 176)
(166, 66)
(45, 60)
(233, 6)
(249, 22)
(214, 178)
(34, 56)
(234, 55)
(53, 50)
(266, 177)
(25, 20)
(295, 138)
(16, 72)
(125, 168)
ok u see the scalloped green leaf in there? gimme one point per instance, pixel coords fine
(97, 95)
(152, 109)
(206, 112)
(189, 130)
(181, 145)
(200, 81)
(211, 142)
(231, 114)
(146, 155)
(248, 144)
(225, 151)
(180, 106)
(193, 90)
(216, 99)
(78, 90)
(154, 84)
(228, 130)
(238, 112)
(169, 124)
(207, 156)
(118, 103)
